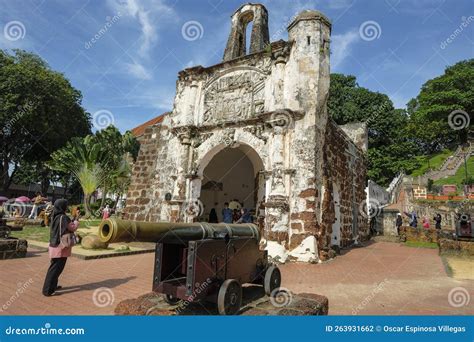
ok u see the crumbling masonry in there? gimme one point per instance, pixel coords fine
(268, 109)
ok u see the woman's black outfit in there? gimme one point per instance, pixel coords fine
(59, 224)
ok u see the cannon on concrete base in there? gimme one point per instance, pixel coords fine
(200, 261)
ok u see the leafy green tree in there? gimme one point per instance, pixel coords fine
(39, 112)
(115, 148)
(100, 160)
(390, 148)
(82, 157)
(440, 96)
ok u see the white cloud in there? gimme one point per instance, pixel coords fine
(149, 14)
(137, 70)
(342, 46)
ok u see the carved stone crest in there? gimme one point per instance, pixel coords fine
(235, 95)
(228, 138)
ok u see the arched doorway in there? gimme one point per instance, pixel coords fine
(233, 174)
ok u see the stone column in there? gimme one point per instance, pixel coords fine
(277, 206)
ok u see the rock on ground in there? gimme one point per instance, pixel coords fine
(254, 303)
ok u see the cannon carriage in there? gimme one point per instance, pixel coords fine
(201, 261)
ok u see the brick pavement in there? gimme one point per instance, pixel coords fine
(382, 278)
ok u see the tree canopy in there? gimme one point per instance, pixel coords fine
(39, 112)
(396, 136)
(439, 97)
(390, 149)
(99, 160)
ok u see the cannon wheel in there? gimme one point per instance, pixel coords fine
(229, 298)
(272, 279)
(171, 300)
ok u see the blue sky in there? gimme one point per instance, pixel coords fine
(130, 67)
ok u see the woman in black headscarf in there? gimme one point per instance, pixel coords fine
(213, 216)
(60, 225)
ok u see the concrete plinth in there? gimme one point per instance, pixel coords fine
(13, 248)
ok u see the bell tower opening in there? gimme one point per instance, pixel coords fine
(245, 38)
(233, 176)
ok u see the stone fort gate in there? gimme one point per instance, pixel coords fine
(255, 128)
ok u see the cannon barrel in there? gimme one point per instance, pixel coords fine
(115, 230)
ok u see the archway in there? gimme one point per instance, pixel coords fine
(233, 174)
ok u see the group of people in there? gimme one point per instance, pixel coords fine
(229, 215)
(413, 221)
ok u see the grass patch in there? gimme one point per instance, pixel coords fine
(37, 233)
(421, 244)
(460, 175)
(87, 223)
(433, 162)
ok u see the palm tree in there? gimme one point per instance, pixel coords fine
(90, 179)
(100, 160)
(83, 158)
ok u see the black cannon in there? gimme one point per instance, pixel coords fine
(200, 261)
(464, 226)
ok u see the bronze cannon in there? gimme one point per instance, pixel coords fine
(200, 261)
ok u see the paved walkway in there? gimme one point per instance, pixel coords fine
(382, 278)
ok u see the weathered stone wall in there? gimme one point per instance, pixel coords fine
(147, 189)
(386, 222)
(419, 234)
(346, 167)
(272, 105)
(358, 133)
(456, 247)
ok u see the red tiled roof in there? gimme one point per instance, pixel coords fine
(139, 130)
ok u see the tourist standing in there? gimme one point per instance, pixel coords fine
(61, 224)
(213, 216)
(399, 223)
(437, 219)
(245, 216)
(413, 219)
(226, 213)
(48, 211)
(236, 215)
(106, 212)
(36, 203)
(426, 223)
